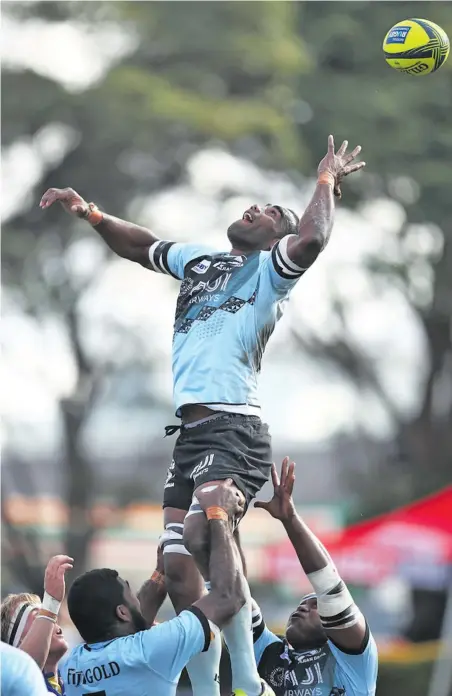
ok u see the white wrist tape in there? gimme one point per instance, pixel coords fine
(334, 602)
(51, 604)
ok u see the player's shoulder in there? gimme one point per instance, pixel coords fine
(277, 649)
(19, 668)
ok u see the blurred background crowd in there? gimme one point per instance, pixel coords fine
(178, 116)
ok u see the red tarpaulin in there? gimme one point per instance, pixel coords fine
(414, 541)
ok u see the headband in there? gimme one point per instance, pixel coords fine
(18, 622)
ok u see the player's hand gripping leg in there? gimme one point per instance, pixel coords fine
(238, 636)
(185, 586)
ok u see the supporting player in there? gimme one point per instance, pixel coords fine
(120, 654)
(328, 649)
(227, 309)
(32, 626)
(19, 675)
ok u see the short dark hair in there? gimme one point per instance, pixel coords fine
(289, 219)
(92, 602)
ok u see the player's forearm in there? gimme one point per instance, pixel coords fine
(310, 551)
(37, 641)
(151, 596)
(314, 228)
(125, 238)
(226, 580)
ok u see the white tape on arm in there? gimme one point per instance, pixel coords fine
(51, 604)
(334, 601)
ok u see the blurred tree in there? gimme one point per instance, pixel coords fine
(270, 80)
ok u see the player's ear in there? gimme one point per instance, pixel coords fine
(123, 613)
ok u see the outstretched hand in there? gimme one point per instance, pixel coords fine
(339, 164)
(71, 201)
(54, 583)
(281, 506)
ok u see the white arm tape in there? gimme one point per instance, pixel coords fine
(334, 601)
(51, 604)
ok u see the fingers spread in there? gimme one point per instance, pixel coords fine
(352, 168)
(275, 477)
(284, 470)
(354, 153)
(260, 504)
(290, 478)
(342, 149)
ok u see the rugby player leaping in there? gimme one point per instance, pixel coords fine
(227, 308)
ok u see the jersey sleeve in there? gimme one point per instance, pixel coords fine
(359, 668)
(262, 636)
(278, 273)
(168, 646)
(172, 257)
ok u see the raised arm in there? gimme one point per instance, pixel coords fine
(124, 238)
(340, 617)
(317, 222)
(37, 641)
(222, 502)
(153, 592)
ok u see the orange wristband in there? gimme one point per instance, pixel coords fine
(326, 178)
(157, 577)
(47, 614)
(217, 513)
(94, 216)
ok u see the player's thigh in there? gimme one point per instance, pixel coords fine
(196, 533)
(240, 450)
(183, 580)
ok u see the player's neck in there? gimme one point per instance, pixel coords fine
(242, 252)
(120, 630)
(51, 665)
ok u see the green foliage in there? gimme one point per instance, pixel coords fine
(270, 80)
(235, 71)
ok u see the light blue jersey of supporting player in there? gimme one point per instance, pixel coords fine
(226, 311)
(147, 663)
(20, 675)
(326, 671)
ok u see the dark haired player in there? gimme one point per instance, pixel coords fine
(120, 655)
(228, 306)
(328, 649)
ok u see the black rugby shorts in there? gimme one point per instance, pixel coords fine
(229, 445)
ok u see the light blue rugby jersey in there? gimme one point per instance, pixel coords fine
(20, 675)
(147, 663)
(226, 311)
(326, 671)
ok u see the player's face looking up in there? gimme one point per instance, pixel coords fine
(58, 645)
(260, 227)
(304, 630)
(130, 611)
